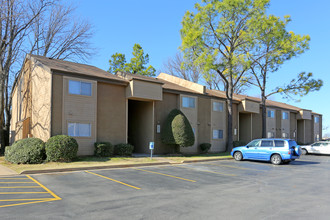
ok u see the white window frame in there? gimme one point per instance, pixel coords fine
(285, 114)
(272, 115)
(189, 103)
(80, 87)
(216, 136)
(77, 124)
(220, 104)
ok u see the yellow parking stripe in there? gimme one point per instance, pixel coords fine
(45, 188)
(113, 180)
(3, 193)
(18, 187)
(25, 203)
(15, 200)
(242, 168)
(16, 182)
(163, 174)
(9, 178)
(206, 171)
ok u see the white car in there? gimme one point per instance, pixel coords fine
(321, 147)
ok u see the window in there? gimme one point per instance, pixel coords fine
(79, 130)
(270, 114)
(188, 102)
(267, 143)
(80, 88)
(316, 119)
(279, 143)
(285, 135)
(254, 143)
(270, 134)
(285, 115)
(218, 106)
(217, 134)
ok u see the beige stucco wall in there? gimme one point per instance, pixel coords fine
(57, 104)
(219, 122)
(309, 125)
(111, 113)
(204, 121)
(41, 102)
(192, 116)
(162, 109)
(249, 106)
(13, 129)
(144, 90)
(80, 109)
(256, 126)
(305, 114)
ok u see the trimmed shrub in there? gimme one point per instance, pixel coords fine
(29, 150)
(205, 147)
(238, 143)
(177, 130)
(124, 149)
(61, 148)
(103, 149)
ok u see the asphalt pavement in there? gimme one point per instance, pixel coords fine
(209, 190)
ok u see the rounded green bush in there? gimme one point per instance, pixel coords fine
(29, 150)
(205, 147)
(124, 149)
(103, 149)
(177, 130)
(61, 148)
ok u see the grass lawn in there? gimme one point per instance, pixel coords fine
(107, 161)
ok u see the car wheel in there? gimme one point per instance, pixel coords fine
(238, 156)
(304, 151)
(276, 159)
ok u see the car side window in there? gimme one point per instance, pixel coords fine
(279, 143)
(254, 143)
(267, 143)
(316, 144)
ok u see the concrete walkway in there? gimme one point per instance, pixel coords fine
(4, 171)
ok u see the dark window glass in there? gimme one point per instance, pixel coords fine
(279, 143)
(266, 143)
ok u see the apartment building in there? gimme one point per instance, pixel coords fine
(60, 97)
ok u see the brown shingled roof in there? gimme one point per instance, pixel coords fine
(71, 67)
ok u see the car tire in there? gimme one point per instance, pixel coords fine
(276, 159)
(238, 156)
(304, 151)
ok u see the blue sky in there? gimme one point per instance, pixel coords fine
(156, 25)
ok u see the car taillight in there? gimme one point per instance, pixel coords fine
(289, 152)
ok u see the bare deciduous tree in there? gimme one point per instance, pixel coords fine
(177, 66)
(42, 27)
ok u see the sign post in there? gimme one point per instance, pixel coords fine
(151, 147)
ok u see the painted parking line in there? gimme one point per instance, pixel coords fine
(125, 184)
(207, 171)
(242, 168)
(163, 174)
(26, 201)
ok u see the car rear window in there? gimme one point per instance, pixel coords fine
(292, 144)
(279, 143)
(266, 143)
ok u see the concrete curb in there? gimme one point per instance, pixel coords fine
(92, 168)
(117, 166)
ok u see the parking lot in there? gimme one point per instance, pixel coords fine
(211, 190)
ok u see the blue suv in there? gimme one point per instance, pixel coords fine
(271, 149)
